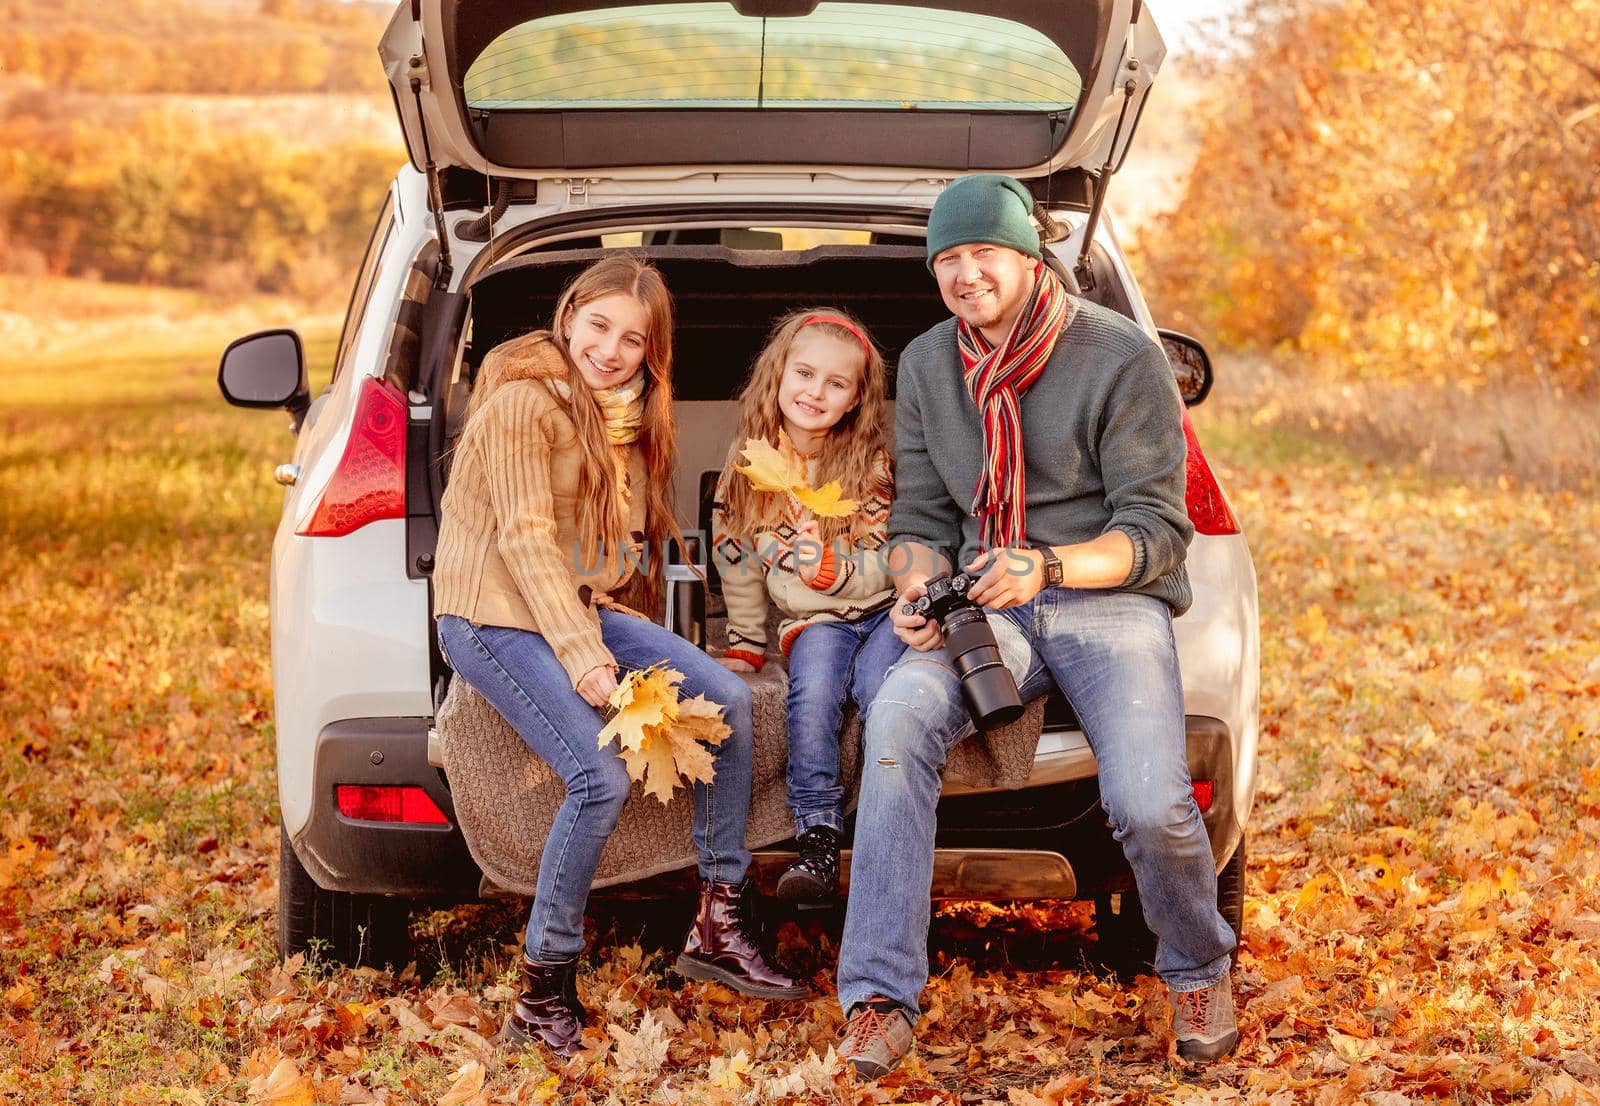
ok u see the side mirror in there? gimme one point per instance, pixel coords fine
(266, 369)
(1191, 365)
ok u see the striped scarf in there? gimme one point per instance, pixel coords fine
(996, 378)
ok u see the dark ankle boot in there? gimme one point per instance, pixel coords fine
(723, 946)
(547, 1007)
(814, 878)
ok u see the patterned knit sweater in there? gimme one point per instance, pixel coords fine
(852, 579)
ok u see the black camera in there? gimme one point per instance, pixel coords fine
(986, 682)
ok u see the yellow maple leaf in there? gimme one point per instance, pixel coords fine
(729, 1074)
(282, 1086)
(781, 469)
(772, 469)
(660, 739)
(826, 501)
(468, 1086)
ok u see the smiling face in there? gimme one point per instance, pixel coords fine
(821, 383)
(606, 339)
(985, 285)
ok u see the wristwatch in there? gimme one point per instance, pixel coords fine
(1052, 566)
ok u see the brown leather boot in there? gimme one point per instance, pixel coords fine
(547, 1007)
(722, 946)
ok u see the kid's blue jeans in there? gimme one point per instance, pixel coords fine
(517, 672)
(1112, 654)
(830, 663)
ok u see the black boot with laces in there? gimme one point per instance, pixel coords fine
(814, 878)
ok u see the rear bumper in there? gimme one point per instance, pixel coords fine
(1050, 838)
(344, 854)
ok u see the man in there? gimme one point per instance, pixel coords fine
(1042, 434)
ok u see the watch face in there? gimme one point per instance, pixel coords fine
(1052, 571)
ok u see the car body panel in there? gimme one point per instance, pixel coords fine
(349, 640)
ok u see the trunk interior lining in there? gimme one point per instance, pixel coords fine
(726, 300)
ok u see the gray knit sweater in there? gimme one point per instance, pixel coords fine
(1102, 439)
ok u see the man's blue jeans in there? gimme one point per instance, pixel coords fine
(1112, 654)
(517, 672)
(829, 663)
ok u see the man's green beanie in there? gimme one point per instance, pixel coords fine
(988, 207)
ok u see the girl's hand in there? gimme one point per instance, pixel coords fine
(808, 550)
(597, 685)
(734, 664)
(918, 631)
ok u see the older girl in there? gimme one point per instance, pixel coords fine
(566, 462)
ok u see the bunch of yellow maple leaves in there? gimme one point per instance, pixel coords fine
(662, 737)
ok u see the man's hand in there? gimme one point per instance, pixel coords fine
(597, 685)
(1010, 577)
(918, 631)
(807, 548)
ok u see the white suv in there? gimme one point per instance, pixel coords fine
(764, 154)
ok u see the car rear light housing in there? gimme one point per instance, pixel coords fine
(369, 803)
(1205, 792)
(1208, 510)
(370, 481)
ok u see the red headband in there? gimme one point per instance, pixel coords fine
(841, 321)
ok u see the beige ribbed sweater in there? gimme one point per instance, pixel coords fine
(852, 580)
(509, 551)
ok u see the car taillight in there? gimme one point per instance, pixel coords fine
(1204, 792)
(389, 804)
(1207, 509)
(370, 482)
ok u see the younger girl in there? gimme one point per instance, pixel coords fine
(820, 380)
(565, 461)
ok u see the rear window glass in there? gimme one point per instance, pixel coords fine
(865, 56)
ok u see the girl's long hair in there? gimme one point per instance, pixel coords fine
(850, 453)
(600, 514)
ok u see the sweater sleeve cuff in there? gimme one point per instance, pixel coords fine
(754, 660)
(827, 572)
(580, 654)
(1141, 557)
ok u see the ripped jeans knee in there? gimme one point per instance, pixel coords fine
(916, 716)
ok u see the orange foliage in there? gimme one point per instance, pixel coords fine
(1401, 189)
(171, 201)
(322, 48)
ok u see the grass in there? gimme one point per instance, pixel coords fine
(137, 518)
(1517, 432)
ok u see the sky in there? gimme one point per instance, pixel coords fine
(1180, 20)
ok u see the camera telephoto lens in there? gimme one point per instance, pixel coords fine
(990, 690)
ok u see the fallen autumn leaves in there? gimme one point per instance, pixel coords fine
(1424, 882)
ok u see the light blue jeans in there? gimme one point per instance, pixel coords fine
(517, 672)
(1112, 654)
(830, 663)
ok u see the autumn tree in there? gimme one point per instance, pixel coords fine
(165, 201)
(1399, 189)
